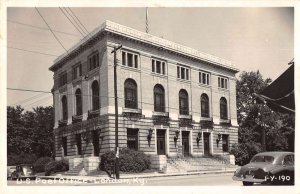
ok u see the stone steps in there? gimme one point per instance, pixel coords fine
(76, 170)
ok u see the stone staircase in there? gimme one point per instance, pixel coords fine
(190, 164)
(76, 170)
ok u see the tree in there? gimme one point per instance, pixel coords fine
(260, 128)
(30, 132)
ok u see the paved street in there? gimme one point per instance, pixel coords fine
(192, 180)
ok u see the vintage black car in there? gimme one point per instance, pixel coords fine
(275, 168)
(23, 171)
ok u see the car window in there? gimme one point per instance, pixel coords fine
(266, 159)
(288, 160)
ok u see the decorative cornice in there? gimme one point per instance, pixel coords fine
(138, 36)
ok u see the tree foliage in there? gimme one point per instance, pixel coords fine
(253, 117)
(30, 132)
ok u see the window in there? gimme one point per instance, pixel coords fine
(65, 145)
(130, 59)
(183, 102)
(204, 78)
(93, 60)
(262, 158)
(223, 109)
(78, 103)
(78, 143)
(183, 73)
(95, 96)
(96, 142)
(159, 98)
(64, 103)
(63, 78)
(130, 94)
(288, 160)
(77, 71)
(225, 143)
(132, 139)
(204, 106)
(158, 66)
(223, 82)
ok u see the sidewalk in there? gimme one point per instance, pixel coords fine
(91, 179)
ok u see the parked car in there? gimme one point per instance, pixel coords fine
(10, 170)
(23, 171)
(267, 167)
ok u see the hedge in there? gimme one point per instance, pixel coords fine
(129, 160)
(39, 165)
(56, 166)
(23, 158)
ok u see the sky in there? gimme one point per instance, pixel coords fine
(251, 38)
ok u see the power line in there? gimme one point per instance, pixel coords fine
(41, 28)
(78, 24)
(50, 29)
(79, 20)
(71, 21)
(26, 90)
(28, 99)
(20, 49)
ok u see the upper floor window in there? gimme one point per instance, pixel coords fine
(130, 59)
(204, 105)
(130, 94)
(64, 103)
(158, 66)
(183, 102)
(77, 71)
(204, 78)
(95, 96)
(78, 103)
(93, 60)
(159, 98)
(223, 108)
(63, 79)
(183, 73)
(223, 82)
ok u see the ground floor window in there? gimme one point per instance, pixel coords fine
(96, 143)
(132, 139)
(78, 143)
(225, 142)
(65, 145)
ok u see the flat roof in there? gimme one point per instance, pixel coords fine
(149, 39)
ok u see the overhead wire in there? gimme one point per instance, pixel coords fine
(76, 22)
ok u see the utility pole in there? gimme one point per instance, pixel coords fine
(117, 167)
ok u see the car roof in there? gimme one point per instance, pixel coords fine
(275, 153)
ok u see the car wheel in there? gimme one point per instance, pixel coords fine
(247, 183)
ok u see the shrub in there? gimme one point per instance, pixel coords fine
(56, 166)
(243, 152)
(39, 165)
(23, 158)
(130, 160)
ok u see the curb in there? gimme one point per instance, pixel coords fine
(90, 179)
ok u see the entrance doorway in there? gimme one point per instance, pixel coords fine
(185, 143)
(161, 142)
(206, 144)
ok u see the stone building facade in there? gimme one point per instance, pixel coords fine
(173, 100)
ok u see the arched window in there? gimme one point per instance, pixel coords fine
(64, 103)
(223, 108)
(204, 105)
(95, 96)
(183, 102)
(159, 98)
(78, 103)
(130, 94)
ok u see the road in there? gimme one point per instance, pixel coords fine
(191, 180)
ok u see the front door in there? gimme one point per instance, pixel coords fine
(185, 143)
(206, 144)
(161, 142)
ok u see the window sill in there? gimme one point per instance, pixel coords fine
(162, 114)
(185, 116)
(184, 80)
(223, 89)
(225, 121)
(159, 75)
(204, 85)
(206, 119)
(132, 110)
(130, 68)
